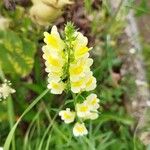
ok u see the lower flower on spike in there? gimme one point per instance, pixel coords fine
(67, 115)
(88, 109)
(92, 101)
(79, 129)
(83, 110)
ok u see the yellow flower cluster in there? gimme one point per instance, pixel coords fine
(58, 63)
(80, 75)
(53, 54)
(68, 66)
(85, 110)
(88, 109)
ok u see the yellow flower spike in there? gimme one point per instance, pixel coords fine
(67, 115)
(53, 40)
(79, 129)
(68, 65)
(56, 87)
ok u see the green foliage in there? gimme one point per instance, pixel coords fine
(143, 8)
(18, 43)
(17, 54)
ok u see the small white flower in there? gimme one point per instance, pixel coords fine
(1, 148)
(79, 129)
(132, 50)
(67, 115)
(6, 90)
(141, 83)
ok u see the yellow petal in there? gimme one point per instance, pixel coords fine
(75, 70)
(54, 61)
(81, 51)
(51, 40)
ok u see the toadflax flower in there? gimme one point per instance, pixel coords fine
(79, 129)
(68, 65)
(53, 54)
(67, 61)
(88, 109)
(67, 115)
(6, 90)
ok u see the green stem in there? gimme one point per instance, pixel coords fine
(68, 48)
(2, 74)
(51, 127)
(48, 128)
(74, 98)
(26, 139)
(11, 133)
(11, 116)
(91, 146)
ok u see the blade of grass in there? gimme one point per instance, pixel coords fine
(48, 142)
(91, 146)
(48, 128)
(106, 117)
(11, 133)
(11, 116)
(29, 129)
